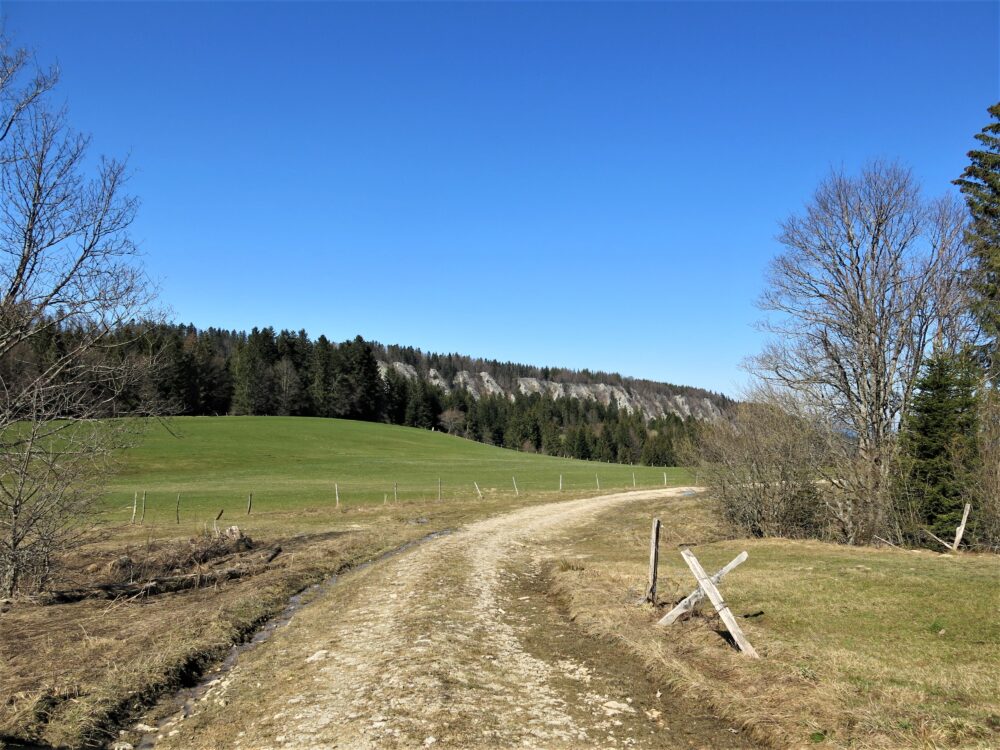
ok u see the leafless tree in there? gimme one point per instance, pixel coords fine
(287, 386)
(986, 481)
(68, 283)
(453, 420)
(870, 278)
(761, 462)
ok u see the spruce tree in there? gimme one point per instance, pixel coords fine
(980, 183)
(939, 443)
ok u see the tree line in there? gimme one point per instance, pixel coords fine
(287, 373)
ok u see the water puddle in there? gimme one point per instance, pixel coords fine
(187, 698)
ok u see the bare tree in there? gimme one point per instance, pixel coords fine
(986, 482)
(68, 284)
(870, 279)
(453, 420)
(761, 463)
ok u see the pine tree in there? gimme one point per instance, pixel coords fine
(321, 377)
(939, 443)
(253, 377)
(420, 406)
(980, 183)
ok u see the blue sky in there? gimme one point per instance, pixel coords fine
(585, 185)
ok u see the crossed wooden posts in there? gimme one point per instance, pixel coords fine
(707, 586)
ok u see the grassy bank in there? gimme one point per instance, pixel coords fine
(862, 647)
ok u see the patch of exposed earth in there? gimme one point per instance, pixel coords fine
(453, 644)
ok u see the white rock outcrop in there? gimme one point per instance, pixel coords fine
(651, 404)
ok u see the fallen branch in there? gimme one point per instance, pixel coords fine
(158, 585)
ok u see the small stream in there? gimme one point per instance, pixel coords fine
(186, 698)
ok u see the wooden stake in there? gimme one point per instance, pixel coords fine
(939, 539)
(705, 583)
(478, 491)
(395, 492)
(177, 509)
(439, 488)
(886, 541)
(633, 479)
(249, 502)
(516, 493)
(385, 498)
(336, 491)
(560, 482)
(664, 479)
(135, 504)
(598, 481)
(691, 601)
(142, 518)
(961, 528)
(654, 555)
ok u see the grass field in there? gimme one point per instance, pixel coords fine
(861, 647)
(294, 462)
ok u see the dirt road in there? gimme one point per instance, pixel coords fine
(448, 645)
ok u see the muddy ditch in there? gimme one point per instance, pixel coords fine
(75, 673)
(181, 704)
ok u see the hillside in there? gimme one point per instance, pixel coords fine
(289, 463)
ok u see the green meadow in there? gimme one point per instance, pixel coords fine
(296, 462)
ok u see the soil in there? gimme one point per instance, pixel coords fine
(455, 643)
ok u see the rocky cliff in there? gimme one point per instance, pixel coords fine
(653, 399)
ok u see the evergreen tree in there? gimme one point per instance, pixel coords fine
(253, 386)
(396, 397)
(215, 385)
(980, 183)
(421, 410)
(321, 377)
(358, 391)
(939, 443)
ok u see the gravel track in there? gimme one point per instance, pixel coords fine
(424, 649)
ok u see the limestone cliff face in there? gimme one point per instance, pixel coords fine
(653, 399)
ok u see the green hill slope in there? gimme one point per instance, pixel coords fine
(294, 462)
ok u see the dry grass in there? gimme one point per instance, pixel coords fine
(73, 672)
(863, 648)
(70, 674)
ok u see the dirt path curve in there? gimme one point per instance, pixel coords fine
(424, 649)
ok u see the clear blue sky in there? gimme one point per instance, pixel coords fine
(586, 185)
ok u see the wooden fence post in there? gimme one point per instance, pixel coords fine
(142, 518)
(961, 528)
(135, 505)
(633, 479)
(336, 491)
(654, 556)
(395, 492)
(516, 493)
(560, 482)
